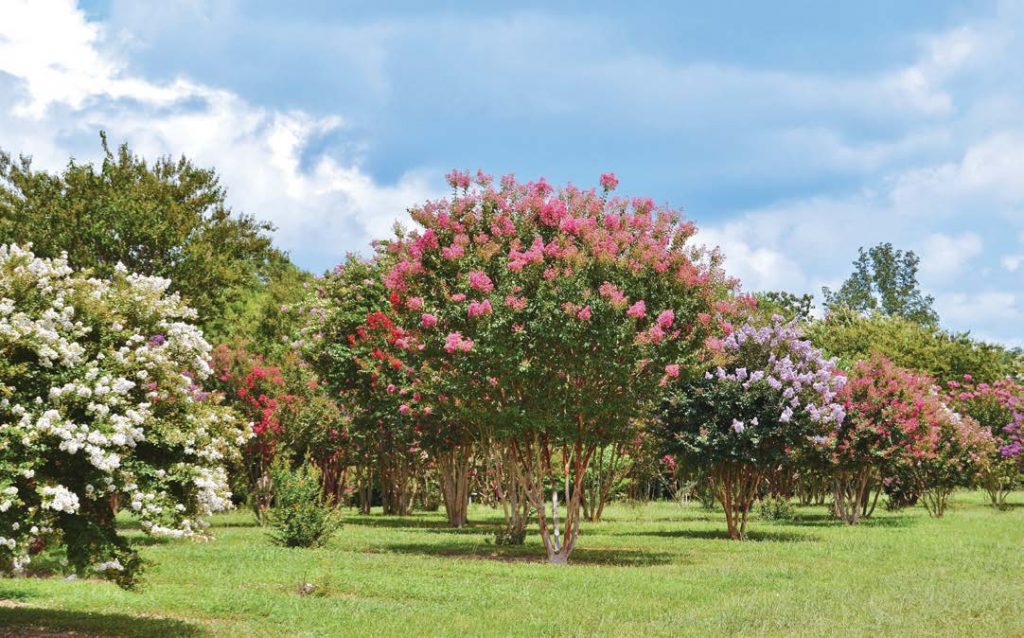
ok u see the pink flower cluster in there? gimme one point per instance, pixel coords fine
(515, 303)
(455, 342)
(479, 308)
(609, 182)
(613, 294)
(480, 282)
(637, 310)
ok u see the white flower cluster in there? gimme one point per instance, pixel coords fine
(90, 370)
(59, 499)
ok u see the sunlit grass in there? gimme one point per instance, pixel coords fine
(654, 570)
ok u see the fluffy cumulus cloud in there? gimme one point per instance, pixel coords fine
(63, 77)
(788, 164)
(959, 204)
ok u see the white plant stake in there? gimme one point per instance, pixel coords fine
(554, 519)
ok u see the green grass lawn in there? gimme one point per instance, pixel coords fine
(654, 570)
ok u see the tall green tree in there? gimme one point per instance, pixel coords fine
(166, 218)
(884, 280)
(790, 306)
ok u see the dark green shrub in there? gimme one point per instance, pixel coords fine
(300, 515)
(776, 508)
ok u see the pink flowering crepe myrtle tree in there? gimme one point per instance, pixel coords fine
(554, 319)
(899, 428)
(998, 407)
(890, 426)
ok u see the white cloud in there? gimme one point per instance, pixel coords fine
(65, 82)
(943, 256)
(1012, 262)
(759, 268)
(1002, 308)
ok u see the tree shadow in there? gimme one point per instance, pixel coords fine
(411, 522)
(17, 620)
(756, 535)
(812, 520)
(901, 520)
(611, 557)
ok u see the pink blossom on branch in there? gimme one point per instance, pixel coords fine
(637, 310)
(455, 342)
(480, 282)
(665, 319)
(479, 308)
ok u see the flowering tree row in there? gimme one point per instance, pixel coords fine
(532, 332)
(776, 411)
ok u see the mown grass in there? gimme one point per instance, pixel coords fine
(654, 570)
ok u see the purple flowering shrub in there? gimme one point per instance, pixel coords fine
(766, 409)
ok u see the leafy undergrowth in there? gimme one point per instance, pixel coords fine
(652, 570)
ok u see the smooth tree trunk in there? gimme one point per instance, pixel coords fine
(606, 470)
(851, 490)
(997, 487)
(334, 478)
(454, 467)
(935, 500)
(532, 456)
(736, 486)
(398, 485)
(364, 487)
(515, 506)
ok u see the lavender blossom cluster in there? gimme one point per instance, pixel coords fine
(779, 357)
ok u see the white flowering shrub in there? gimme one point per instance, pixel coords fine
(100, 403)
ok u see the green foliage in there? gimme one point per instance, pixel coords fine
(884, 280)
(946, 356)
(790, 306)
(166, 218)
(300, 516)
(266, 317)
(776, 508)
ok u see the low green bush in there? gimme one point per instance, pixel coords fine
(300, 516)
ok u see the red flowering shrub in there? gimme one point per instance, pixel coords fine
(891, 413)
(289, 411)
(364, 355)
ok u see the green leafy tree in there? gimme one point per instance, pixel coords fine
(789, 306)
(167, 218)
(884, 280)
(946, 356)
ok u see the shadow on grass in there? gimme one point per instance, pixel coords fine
(613, 557)
(18, 620)
(900, 520)
(132, 525)
(418, 523)
(755, 535)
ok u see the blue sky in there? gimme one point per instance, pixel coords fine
(791, 132)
